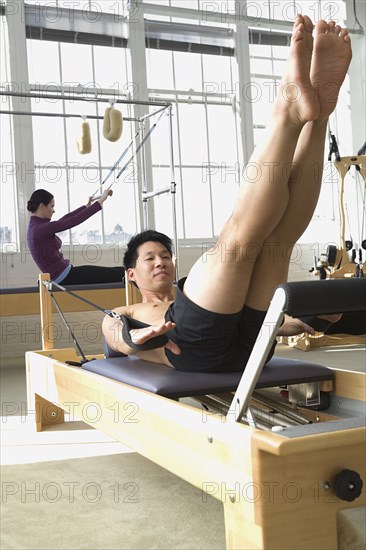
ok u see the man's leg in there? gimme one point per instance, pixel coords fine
(220, 280)
(305, 178)
(271, 268)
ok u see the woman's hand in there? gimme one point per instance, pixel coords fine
(90, 200)
(104, 196)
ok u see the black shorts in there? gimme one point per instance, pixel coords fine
(212, 342)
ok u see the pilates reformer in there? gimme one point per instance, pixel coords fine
(283, 467)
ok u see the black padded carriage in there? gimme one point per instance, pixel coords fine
(174, 384)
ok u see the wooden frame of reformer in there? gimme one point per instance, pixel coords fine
(275, 490)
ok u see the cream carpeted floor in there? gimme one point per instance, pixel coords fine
(122, 501)
(72, 487)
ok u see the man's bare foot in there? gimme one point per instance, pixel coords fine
(332, 55)
(297, 97)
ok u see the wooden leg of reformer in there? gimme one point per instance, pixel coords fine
(46, 412)
(239, 533)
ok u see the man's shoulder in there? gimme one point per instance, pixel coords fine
(125, 310)
(130, 311)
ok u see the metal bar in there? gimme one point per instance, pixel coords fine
(68, 328)
(271, 418)
(173, 186)
(49, 284)
(116, 164)
(281, 408)
(259, 417)
(258, 356)
(138, 148)
(61, 115)
(76, 98)
(278, 409)
(143, 177)
(149, 115)
(152, 194)
(221, 15)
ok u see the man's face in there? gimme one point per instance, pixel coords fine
(155, 269)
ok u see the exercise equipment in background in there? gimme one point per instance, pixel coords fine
(112, 124)
(84, 144)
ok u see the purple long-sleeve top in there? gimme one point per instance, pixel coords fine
(45, 245)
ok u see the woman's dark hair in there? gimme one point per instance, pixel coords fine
(41, 196)
(149, 235)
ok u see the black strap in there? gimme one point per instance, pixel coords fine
(333, 148)
(362, 151)
(128, 322)
(68, 327)
(153, 343)
(50, 284)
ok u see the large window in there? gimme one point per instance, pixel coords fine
(198, 76)
(206, 141)
(59, 166)
(8, 167)
(266, 64)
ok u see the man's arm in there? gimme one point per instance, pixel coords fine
(112, 331)
(128, 342)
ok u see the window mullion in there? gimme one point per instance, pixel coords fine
(245, 105)
(22, 125)
(139, 74)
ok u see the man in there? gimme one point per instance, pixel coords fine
(219, 308)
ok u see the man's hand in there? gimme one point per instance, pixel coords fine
(142, 335)
(293, 326)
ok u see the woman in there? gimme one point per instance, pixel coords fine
(45, 245)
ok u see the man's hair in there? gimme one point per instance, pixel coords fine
(149, 235)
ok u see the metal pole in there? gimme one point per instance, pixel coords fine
(156, 193)
(76, 98)
(143, 179)
(173, 191)
(61, 115)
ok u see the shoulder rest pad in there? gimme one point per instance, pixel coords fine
(153, 343)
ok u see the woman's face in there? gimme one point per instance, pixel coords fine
(49, 209)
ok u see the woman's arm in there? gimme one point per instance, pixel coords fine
(72, 219)
(69, 221)
(89, 203)
(76, 211)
